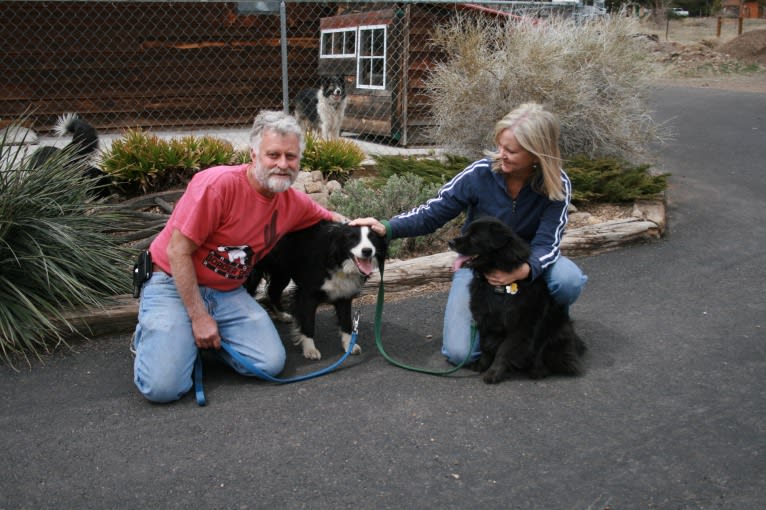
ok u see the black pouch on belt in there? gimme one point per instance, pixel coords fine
(142, 271)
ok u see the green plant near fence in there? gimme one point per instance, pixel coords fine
(141, 162)
(336, 158)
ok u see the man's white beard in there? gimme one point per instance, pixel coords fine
(273, 183)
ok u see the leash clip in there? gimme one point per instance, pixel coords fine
(355, 321)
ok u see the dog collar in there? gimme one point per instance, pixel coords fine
(506, 289)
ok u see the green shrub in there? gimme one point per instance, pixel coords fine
(143, 163)
(612, 180)
(58, 250)
(400, 193)
(431, 170)
(336, 158)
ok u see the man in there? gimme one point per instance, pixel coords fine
(227, 220)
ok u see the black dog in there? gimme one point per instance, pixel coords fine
(323, 109)
(83, 146)
(520, 326)
(329, 263)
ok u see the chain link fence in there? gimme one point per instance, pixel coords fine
(191, 64)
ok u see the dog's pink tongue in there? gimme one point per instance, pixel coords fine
(364, 265)
(459, 261)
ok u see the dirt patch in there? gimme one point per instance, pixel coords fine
(750, 47)
(692, 55)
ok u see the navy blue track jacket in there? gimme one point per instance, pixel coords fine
(479, 191)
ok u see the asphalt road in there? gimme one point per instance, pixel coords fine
(670, 414)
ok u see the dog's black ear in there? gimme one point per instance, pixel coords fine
(336, 232)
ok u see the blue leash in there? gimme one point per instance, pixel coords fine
(198, 384)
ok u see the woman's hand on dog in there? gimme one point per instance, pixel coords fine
(498, 277)
(374, 225)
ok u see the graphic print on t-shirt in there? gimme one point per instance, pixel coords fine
(269, 238)
(232, 262)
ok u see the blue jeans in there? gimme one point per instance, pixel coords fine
(164, 343)
(565, 281)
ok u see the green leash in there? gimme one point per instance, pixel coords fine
(379, 342)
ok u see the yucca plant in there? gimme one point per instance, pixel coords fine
(58, 250)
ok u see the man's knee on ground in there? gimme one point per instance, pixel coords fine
(162, 391)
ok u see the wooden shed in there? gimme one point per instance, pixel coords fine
(385, 54)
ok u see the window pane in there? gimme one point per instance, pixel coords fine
(378, 69)
(379, 42)
(337, 43)
(348, 42)
(326, 44)
(365, 43)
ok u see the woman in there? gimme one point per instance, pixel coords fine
(523, 185)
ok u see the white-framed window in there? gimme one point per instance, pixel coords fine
(338, 43)
(371, 57)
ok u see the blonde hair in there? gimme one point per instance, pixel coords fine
(537, 131)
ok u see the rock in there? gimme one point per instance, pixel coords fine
(333, 187)
(313, 188)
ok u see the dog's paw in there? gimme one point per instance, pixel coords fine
(311, 352)
(493, 376)
(309, 349)
(346, 341)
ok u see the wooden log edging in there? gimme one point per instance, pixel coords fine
(647, 224)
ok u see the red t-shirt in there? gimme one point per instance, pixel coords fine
(233, 225)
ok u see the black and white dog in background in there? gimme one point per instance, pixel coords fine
(323, 109)
(329, 263)
(81, 149)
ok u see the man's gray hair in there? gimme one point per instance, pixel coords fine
(280, 122)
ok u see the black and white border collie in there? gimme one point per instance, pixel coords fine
(323, 109)
(329, 263)
(81, 149)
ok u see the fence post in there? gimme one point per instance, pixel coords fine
(740, 21)
(718, 27)
(283, 45)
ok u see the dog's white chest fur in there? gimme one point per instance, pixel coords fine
(344, 282)
(331, 111)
